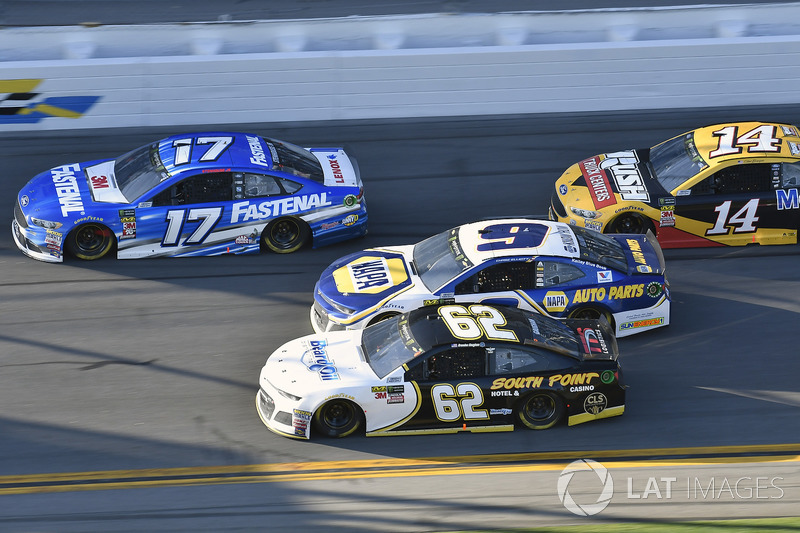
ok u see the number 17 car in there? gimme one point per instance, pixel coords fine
(443, 369)
(188, 195)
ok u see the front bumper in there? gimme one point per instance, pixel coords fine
(38, 243)
(321, 322)
(279, 417)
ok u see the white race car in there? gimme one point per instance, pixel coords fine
(443, 369)
(548, 267)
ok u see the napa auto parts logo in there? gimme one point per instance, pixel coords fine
(20, 103)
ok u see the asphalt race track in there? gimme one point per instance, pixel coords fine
(120, 372)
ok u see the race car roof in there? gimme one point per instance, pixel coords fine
(746, 140)
(220, 150)
(427, 328)
(489, 239)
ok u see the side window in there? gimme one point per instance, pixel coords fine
(790, 175)
(202, 188)
(456, 363)
(289, 186)
(737, 179)
(514, 275)
(552, 273)
(524, 360)
(259, 185)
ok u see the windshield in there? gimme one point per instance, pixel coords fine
(388, 344)
(439, 259)
(675, 161)
(600, 249)
(139, 171)
(295, 160)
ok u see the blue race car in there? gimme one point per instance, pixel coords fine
(188, 195)
(552, 268)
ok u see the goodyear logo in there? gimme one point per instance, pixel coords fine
(370, 275)
(21, 104)
(555, 301)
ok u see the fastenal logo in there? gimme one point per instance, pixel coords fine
(585, 509)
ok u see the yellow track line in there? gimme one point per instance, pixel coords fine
(433, 466)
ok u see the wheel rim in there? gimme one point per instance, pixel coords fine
(284, 233)
(91, 239)
(540, 407)
(338, 415)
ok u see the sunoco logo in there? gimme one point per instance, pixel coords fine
(585, 467)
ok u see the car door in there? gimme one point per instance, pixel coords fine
(732, 204)
(787, 204)
(186, 218)
(451, 384)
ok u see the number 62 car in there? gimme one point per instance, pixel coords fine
(188, 195)
(443, 369)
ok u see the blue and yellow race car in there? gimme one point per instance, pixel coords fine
(188, 195)
(550, 267)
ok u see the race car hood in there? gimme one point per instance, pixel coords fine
(65, 191)
(364, 279)
(643, 253)
(329, 361)
(610, 179)
(338, 168)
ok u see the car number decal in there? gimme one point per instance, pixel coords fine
(759, 139)
(462, 401)
(509, 236)
(183, 148)
(176, 218)
(743, 221)
(476, 322)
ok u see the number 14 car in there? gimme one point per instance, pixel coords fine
(725, 185)
(187, 195)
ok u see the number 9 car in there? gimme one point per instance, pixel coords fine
(443, 369)
(199, 194)
(548, 267)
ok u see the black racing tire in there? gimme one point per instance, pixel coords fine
(286, 235)
(630, 223)
(337, 418)
(540, 410)
(382, 317)
(591, 313)
(90, 241)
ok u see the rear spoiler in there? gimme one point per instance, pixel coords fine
(597, 339)
(653, 241)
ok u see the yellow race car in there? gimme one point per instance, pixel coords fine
(723, 185)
